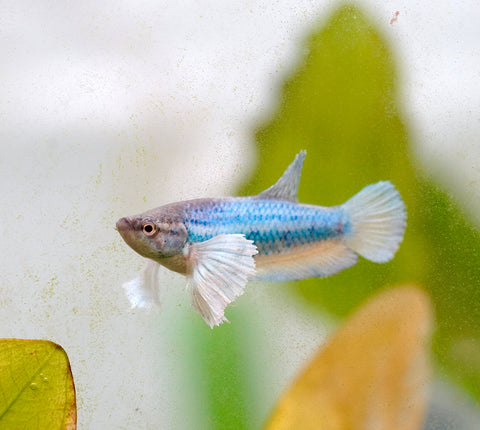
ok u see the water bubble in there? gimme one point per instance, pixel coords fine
(34, 386)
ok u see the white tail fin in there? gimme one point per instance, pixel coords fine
(377, 218)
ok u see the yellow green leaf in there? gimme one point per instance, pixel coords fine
(36, 386)
(372, 374)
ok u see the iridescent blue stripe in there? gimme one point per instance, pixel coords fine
(272, 224)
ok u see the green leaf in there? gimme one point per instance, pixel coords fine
(36, 386)
(341, 105)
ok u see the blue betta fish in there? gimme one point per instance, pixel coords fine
(220, 244)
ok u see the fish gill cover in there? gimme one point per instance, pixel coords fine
(341, 105)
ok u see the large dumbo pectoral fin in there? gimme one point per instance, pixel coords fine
(220, 269)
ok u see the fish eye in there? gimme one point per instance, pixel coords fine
(149, 228)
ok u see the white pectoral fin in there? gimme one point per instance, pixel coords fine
(142, 292)
(221, 267)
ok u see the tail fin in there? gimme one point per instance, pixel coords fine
(377, 218)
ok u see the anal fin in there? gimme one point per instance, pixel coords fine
(320, 259)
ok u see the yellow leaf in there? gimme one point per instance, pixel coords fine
(372, 375)
(36, 386)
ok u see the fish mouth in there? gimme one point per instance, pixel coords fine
(124, 226)
(127, 227)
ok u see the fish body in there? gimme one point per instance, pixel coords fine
(275, 226)
(222, 243)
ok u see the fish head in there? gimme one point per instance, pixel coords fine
(152, 235)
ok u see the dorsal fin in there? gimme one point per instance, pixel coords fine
(286, 188)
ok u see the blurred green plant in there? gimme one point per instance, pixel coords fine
(342, 106)
(37, 387)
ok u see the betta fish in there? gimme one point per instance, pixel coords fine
(220, 244)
